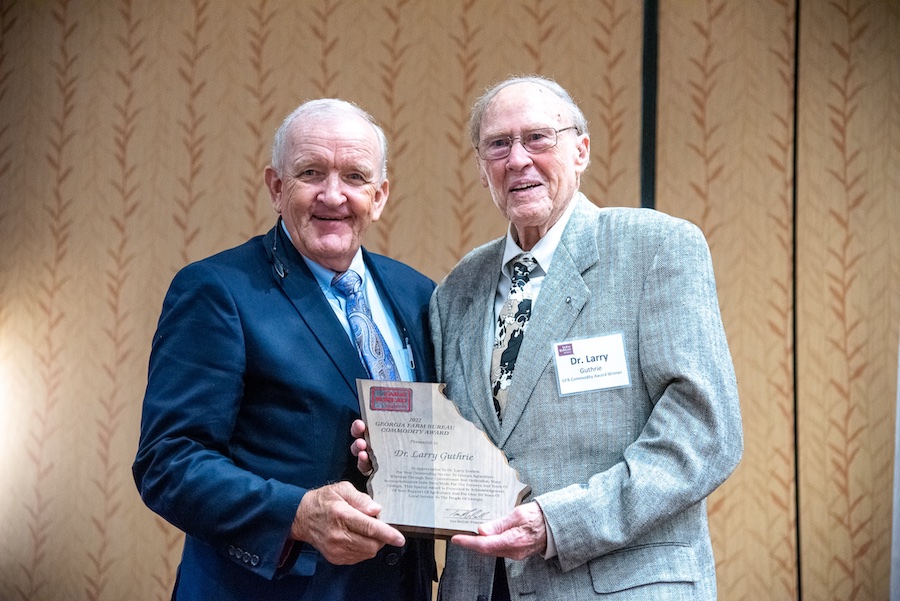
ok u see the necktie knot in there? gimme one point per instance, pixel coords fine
(347, 283)
(522, 267)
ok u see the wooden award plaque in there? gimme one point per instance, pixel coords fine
(435, 473)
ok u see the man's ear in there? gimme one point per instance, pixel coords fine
(275, 186)
(582, 153)
(381, 195)
(482, 174)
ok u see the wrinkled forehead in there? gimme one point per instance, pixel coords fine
(522, 106)
(346, 136)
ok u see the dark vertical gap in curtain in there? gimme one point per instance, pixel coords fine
(795, 312)
(649, 68)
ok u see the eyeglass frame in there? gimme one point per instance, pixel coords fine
(513, 139)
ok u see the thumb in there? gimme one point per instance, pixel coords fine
(495, 526)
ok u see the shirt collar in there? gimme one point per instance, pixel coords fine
(324, 275)
(544, 249)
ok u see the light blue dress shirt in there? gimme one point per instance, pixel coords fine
(381, 313)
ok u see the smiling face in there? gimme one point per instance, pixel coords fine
(329, 189)
(532, 190)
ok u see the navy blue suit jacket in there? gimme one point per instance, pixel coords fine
(250, 395)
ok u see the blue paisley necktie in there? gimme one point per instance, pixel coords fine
(373, 350)
(511, 326)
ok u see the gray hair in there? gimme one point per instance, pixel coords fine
(480, 105)
(323, 108)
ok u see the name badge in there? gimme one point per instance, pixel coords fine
(591, 364)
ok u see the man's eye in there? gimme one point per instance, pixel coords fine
(497, 143)
(308, 174)
(357, 179)
(536, 136)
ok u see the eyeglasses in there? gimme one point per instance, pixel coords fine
(534, 141)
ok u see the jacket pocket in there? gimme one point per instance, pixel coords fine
(642, 565)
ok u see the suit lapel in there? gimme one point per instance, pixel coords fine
(391, 291)
(475, 358)
(299, 285)
(562, 297)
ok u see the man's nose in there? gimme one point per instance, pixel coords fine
(518, 156)
(333, 189)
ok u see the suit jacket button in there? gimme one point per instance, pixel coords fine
(231, 550)
(246, 557)
(391, 559)
(254, 560)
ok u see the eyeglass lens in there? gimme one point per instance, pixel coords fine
(535, 140)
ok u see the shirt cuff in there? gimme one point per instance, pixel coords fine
(550, 552)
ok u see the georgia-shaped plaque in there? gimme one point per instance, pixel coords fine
(435, 473)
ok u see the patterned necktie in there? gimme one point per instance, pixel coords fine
(510, 330)
(373, 350)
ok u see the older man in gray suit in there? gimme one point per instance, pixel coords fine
(588, 344)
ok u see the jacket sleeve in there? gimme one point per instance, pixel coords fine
(692, 440)
(184, 469)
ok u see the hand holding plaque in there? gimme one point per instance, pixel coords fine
(436, 474)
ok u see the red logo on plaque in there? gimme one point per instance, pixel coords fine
(390, 399)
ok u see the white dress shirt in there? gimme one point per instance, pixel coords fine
(543, 253)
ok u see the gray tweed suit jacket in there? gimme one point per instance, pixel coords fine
(621, 475)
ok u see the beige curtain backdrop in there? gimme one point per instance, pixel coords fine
(133, 134)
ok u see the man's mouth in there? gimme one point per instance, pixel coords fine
(521, 187)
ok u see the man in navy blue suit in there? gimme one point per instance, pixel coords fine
(252, 386)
